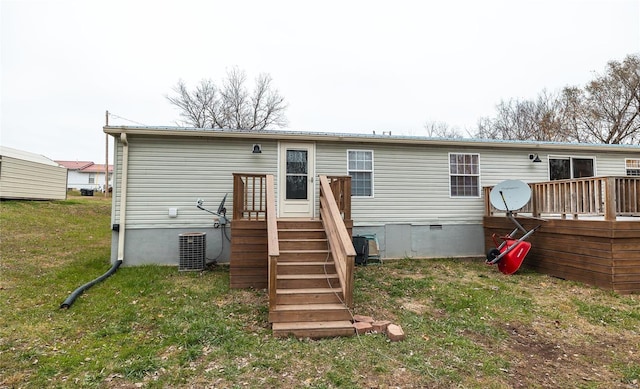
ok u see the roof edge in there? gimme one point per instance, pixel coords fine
(359, 138)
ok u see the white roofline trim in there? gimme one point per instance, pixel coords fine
(530, 146)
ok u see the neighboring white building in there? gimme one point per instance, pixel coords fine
(86, 175)
(29, 176)
(422, 197)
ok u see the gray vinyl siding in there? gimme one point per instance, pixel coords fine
(174, 172)
(411, 182)
(23, 179)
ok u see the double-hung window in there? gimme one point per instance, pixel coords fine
(360, 168)
(464, 175)
(632, 166)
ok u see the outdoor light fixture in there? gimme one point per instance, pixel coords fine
(534, 158)
(257, 149)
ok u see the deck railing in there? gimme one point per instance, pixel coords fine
(598, 196)
(341, 189)
(249, 196)
(339, 239)
(273, 246)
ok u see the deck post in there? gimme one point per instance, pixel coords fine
(610, 199)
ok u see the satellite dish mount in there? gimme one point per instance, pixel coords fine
(510, 196)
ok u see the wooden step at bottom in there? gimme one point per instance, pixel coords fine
(299, 281)
(309, 296)
(309, 312)
(323, 329)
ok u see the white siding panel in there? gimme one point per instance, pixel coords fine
(23, 179)
(173, 173)
(411, 182)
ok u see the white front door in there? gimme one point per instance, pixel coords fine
(296, 180)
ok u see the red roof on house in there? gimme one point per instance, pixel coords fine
(97, 168)
(75, 165)
(84, 166)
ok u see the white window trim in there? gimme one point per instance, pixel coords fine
(373, 168)
(474, 175)
(627, 167)
(570, 158)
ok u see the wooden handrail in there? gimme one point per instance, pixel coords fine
(249, 199)
(339, 240)
(603, 196)
(272, 240)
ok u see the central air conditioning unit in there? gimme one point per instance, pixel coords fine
(193, 248)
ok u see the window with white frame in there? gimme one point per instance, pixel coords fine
(464, 175)
(360, 168)
(92, 178)
(632, 166)
(563, 168)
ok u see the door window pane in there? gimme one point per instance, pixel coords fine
(296, 187)
(559, 169)
(297, 168)
(567, 168)
(296, 161)
(582, 167)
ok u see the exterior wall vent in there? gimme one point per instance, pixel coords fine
(193, 248)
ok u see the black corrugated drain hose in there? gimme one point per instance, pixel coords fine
(73, 296)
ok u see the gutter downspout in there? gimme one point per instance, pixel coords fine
(66, 304)
(123, 195)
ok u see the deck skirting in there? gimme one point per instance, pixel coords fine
(602, 253)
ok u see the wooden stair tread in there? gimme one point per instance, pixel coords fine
(301, 229)
(306, 325)
(306, 263)
(303, 239)
(306, 276)
(308, 290)
(309, 307)
(304, 251)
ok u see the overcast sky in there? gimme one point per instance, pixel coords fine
(342, 66)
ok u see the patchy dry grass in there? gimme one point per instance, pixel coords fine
(467, 325)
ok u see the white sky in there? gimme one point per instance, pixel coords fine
(343, 66)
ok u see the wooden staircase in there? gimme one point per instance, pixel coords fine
(309, 300)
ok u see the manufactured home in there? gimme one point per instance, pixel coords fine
(282, 207)
(29, 176)
(420, 197)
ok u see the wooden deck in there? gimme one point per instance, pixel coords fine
(305, 265)
(572, 243)
(597, 252)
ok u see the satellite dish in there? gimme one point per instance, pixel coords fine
(221, 209)
(510, 195)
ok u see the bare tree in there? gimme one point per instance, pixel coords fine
(608, 109)
(441, 130)
(231, 105)
(539, 119)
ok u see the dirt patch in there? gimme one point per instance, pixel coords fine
(539, 358)
(414, 306)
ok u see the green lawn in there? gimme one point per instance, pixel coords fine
(467, 325)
